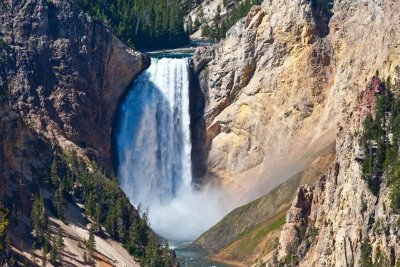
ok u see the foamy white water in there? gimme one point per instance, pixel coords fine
(154, 152)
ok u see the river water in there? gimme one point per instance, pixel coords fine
(189, 257)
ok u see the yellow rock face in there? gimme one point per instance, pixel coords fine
(277, 88)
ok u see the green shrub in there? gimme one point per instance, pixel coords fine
(366, 255)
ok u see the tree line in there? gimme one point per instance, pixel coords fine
(142, 24)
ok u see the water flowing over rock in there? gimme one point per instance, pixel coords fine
(154, 136)
(154, 153)
(154, 148)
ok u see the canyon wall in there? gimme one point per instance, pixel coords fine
(62, 76)
(277, 86)
(335, 221)
(71, 73)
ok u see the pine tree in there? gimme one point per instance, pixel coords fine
(39, 220)
(91, 203)
(134, 244)
(60, 203)
(53, 254)
(3, 234)
(54, 172)
(91, 243)
(166, 254)
(143, 24)
(152, 253)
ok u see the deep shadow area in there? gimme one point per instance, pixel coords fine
(115, 126)
(198, 131)
(322, 13)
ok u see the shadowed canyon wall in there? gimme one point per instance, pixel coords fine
(68, 69)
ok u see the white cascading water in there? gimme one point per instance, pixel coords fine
(154, 149)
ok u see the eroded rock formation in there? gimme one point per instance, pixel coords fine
(71, 73)
(284, 77)
(330, 221)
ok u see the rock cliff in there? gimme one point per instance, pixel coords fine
(71, 73)
(332, 222)
(248, 233)
(278, 84)
(62, 75)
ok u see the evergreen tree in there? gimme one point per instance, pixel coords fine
(166, 254)
(108, 206)
(91, 243)
(39, 220)
(53, 254)
(142, 23)
(60, 203)
(54, 172)
(4, 244)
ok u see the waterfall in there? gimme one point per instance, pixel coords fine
(154, 139)
(154, 153)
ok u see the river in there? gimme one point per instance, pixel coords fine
(190, 257)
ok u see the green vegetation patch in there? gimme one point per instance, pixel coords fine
(142, 23)
(246, 244)
(239, 221)
(381, 142)
(75, 180)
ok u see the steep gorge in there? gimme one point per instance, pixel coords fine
(266, 103)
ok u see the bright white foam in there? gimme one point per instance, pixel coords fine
(154, 151)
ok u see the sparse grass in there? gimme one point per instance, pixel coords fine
(248, 217)
(255, 240)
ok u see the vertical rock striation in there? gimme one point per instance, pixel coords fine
(283, 78)
(330, 220)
